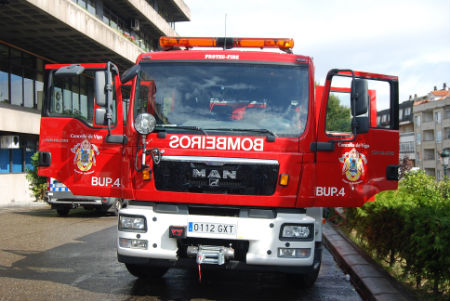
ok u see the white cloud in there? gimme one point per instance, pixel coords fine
(410, 39)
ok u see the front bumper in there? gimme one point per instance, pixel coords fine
(261, 233)
(67, 198)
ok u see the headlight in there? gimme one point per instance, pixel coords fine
(144, 123)
(132, 223)
(297, 232)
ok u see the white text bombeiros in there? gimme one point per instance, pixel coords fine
(217, 143)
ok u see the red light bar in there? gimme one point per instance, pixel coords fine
(168, 43)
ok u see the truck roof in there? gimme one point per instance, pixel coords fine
(225, 56)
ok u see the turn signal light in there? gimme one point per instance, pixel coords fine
(284, 179)
(147, 174)
(168, 43)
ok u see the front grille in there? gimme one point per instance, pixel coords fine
(255, 177)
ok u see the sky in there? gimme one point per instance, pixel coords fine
(409, 39)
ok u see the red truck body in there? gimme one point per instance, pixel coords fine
(286, 164)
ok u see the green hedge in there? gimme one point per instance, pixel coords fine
(37, 184)
(412, 225)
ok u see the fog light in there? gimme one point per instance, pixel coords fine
(294, 253)
(133, 243)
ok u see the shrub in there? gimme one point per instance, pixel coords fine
(413, 224)
(38, 185)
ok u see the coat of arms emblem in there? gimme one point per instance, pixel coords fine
(85, 153)
(353, 165)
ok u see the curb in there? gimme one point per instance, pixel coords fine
(370, 279)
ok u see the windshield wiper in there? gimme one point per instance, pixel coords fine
(182, 127)
(270, 135)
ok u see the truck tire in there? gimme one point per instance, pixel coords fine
(306, 280)
(145, 271)
(63, 211)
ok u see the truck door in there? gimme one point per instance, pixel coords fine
(357, 152)
(81, 135)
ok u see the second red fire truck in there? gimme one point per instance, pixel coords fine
(225, 157)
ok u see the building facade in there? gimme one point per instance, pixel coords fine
(37, 32)
(432, 130)
(407, 154)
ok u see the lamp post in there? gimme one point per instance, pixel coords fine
(444, 160)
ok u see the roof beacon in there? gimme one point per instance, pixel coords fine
(168, 43)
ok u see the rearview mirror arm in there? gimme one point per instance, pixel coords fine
(110, 67)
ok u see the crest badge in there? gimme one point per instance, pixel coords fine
(354, 164)
(84, 156)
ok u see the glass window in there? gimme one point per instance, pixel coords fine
(17, 160)
(16, 78)
(437, 116)
(339, 119)
(4, 74)
(39, 93)
(91, 6)
(408, 111)
(447, 112)
(447, 133)
(220, 97)
(28, 154)
(74, 97)
(28, 88)
(417, 120)
(438, 136)
(4, 161)
(16, 89)
(4, 87)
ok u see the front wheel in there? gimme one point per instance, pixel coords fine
(63, 210)
(145, 271)
(308, 279)
(304, 280)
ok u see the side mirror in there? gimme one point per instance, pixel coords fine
(69, 71)
(100, 82)
(361, 124)
(359, 96)
(100, 116)
(130, 73)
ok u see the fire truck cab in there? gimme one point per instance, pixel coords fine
(225, 157)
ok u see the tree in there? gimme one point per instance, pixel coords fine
(338, 116)
(38, 185)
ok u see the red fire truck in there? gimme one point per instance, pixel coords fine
(225, 157)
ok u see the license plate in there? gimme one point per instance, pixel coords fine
(213, 228)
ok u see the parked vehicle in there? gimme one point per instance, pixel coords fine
(62, 200)
(226, 157)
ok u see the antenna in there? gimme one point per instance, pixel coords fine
(225, 35)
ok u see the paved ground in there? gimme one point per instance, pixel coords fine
(45, 257)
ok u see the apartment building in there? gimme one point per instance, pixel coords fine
(36, 32)
(407, 154)
(432, 130)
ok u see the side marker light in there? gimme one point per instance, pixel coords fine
(284, 179)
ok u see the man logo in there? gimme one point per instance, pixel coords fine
(214, 174)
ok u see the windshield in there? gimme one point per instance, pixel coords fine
(228, 96)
